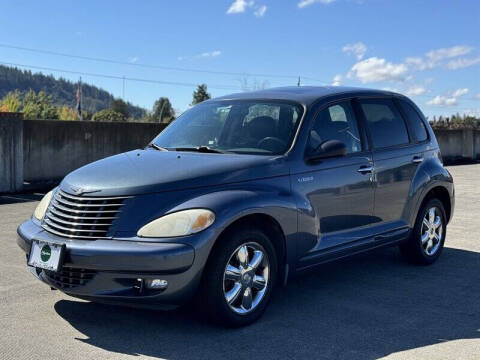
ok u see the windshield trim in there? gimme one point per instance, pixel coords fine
(273, 100)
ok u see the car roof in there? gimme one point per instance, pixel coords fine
(302, 94)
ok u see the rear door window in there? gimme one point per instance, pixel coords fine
(384, 123)
(415, 122)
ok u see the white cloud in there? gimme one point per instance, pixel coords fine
(260, 12)
(436, 57)
(478, 96)
(239, 6)
(214, 53)
(448, 53)
(387, 88)
(420, 63)
(450, 99)
(441, 100)
(460, 92)
(375, 69)
(305, 3)
(337, 80)
(462, 63)
(358, 49)
(206, 54)
(416, 90)
(133, 59)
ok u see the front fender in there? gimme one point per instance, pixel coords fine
(232, 205)
(271, 197)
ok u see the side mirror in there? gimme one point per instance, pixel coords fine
(328, 149)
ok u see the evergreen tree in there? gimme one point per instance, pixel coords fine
(38, 106)
(120, 106)
(163, 111)
(11, 102)
(108, 115)
(200, 94)
(61, 91)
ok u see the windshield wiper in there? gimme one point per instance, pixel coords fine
(201, 149)
(156, 147)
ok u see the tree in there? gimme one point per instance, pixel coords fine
(163, 111)
(200, 94)
(62, 91)
(120, 106)
(67, 113)
(38, 106)
(108, 115)
(11, 102)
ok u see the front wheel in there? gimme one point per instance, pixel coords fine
(239, 278)
(426, 241)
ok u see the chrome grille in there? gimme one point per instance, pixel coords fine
(82, 217)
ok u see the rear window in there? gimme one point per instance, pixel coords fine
(415, 123)
(384, 123)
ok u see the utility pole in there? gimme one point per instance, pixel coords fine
(79, 99)
(123, 90)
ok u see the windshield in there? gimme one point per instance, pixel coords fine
(248, 127)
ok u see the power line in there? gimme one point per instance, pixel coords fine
(107, 76)
(162, 67)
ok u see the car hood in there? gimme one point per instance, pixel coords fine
(148, 171)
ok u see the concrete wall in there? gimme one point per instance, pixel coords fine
(41, 150)
(54, 148)
(11, 154)
(458, 144)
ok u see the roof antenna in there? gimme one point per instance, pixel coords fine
(298, 84)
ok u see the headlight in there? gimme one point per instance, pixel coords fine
(179, 223)
(42, 206)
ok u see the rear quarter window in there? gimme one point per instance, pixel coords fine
(384, 122)
(415, 122)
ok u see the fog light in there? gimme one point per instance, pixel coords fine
(156, 284)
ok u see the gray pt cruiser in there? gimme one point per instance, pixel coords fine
(241, 193)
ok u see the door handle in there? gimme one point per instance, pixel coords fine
(417, 159)
(365, 169)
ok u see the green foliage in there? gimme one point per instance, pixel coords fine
(38, 106)
(108, 115)
(11, 102)
(200, 94)
(67, 113)
(456, 121)
(162, 111)
(62, 92)
(120, 106)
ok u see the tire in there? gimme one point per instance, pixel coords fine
(218, 283)
(428, 250)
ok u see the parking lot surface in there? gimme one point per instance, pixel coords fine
(366, 307)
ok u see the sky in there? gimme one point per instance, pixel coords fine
(426, 49)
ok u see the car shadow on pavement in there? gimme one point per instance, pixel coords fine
(19, 198)
(364, 307)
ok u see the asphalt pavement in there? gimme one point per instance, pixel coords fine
(366, 307)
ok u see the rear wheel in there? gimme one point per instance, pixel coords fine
(239, 278)
(427, 239)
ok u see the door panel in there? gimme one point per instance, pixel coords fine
(334, 201)
(394, 172)
(335, 196)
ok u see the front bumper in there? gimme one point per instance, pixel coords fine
(115, 271)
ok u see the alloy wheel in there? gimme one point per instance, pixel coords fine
(246, 278)
(431, 231)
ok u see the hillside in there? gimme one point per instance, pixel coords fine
(63, 92)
